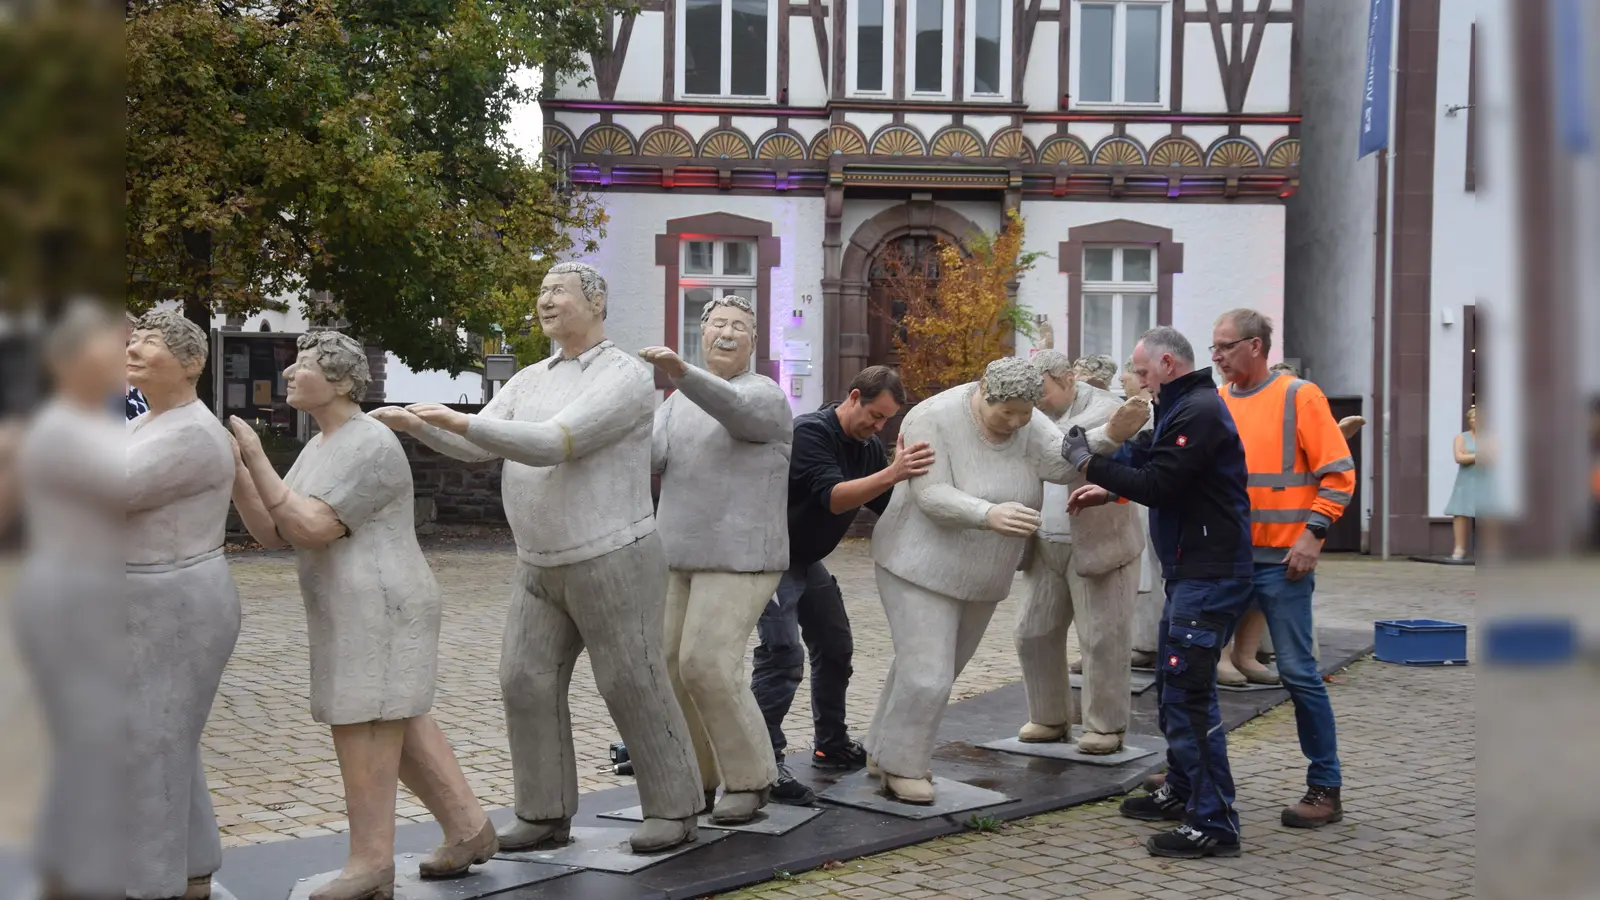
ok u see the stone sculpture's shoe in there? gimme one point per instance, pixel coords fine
(1230, 676)
(522, 835)
(455, 860)
(1258, 674)
(1096, 744)
(656, 835)
(738, 807)
(873, 769)
(1076, 666)
(1034, 733)
(199, 888)
(376, 885)
(1142, 659)
(909, 790)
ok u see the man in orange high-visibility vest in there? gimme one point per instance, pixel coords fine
(1301, 478)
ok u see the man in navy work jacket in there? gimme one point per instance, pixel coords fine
(1190, 471)
(836, 466)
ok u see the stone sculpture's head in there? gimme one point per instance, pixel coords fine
(85, 351)
(1284, 368)
(1009, 391)
(331, 367)
(572, 302)
(1162, 355)
(1060, 382)
(1240, 342)
(876, 396)
(1096, 370)
(166, 352)
(1130, 381)
(728, 335)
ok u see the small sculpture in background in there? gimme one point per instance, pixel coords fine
(1097, 370)
(1465, 497)
(1046, 332)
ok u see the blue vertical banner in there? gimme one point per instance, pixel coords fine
(1567, 63)
(1375, 90)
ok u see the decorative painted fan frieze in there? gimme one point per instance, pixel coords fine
(1233, 153)
(1118, 151)
(667, 142)
(607, 140)
(1064, 150)
(1176, 152)
(847, 140)
(1285, 154)
(957, 141)
(725, 144)
(1011, 144)
(781, 145)
(898, 140)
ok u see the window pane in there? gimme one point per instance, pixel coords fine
(1136, 265)
(1097, 324)
(694, 304)
(1142, 66)
(1137, 318)
(869, 46)
(749, 48)
(1097, 24)
(697, 260)
(702, 47)
(1097, 264)
(736, 258)
(930, 46)
(986, 48)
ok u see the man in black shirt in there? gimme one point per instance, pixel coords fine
(836, 466)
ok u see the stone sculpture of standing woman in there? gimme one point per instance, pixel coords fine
(372, 616)
(1464, 499)
(183, 609)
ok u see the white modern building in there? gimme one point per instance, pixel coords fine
(774, 148)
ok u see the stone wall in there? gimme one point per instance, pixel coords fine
(449, 491)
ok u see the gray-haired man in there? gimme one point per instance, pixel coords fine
(1084, 571)
(574, 431)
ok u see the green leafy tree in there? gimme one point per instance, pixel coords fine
(353, 152)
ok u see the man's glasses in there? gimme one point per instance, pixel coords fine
(1217, 348)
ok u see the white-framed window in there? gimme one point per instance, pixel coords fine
(1119, 300)
(728, 49)
(988, 50)
(1122, 53)
(929, 27)
(711, 268)
(869, 70)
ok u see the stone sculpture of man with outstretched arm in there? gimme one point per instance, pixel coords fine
(574, 431)
(721, 444)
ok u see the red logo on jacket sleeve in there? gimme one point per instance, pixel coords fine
(1183, 441)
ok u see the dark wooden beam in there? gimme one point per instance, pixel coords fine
(782, 93)
(1220, 44)
(1248, 70)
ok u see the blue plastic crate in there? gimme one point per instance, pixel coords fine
(1530, 641)
(1420, 642)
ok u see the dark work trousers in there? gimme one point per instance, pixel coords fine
(1199, 618)
(807, 605)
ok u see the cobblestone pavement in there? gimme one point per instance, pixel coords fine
(1407, 741)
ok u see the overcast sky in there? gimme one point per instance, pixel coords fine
(524, 131)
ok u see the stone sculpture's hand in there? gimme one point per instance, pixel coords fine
(667, 360)
(398, 418)
(1128, 419)
(1349, 425)
(245, 438)
(238, 455)
(440, 416)
(909, 462)
(1075, 448)
(1086, 497)
(1013, 520)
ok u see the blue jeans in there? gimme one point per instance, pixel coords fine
(808, 606)
(1199, 617)
(1287, 606)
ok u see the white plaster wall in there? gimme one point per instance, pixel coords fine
(569, 89)
(636, 316)
(641, 68)
(1232, 256)
(1269, 84)
(926, 125)
(1202, 80)
(577, 122)
(807, 129)
(697, 126)
(1038, 132)
(1039, 82)
(1331, 223)
(636, 124)
(1456, 264)
(869, 123)
(806, 87)
(987, 126)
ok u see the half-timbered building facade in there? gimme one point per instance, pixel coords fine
(773, 148)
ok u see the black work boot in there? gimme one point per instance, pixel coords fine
(788, 791)
(1160, 806)
(1185, 842)
(1320, 806)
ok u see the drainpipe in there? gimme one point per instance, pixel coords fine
(1388, 280)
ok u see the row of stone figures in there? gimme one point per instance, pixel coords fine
(664, 602)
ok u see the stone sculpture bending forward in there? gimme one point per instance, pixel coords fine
(574, 431)
(721, 444)
(183, 609)
(1086, 571)
(372, 616)
(946, 549)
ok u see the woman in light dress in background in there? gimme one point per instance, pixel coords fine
(372, 616)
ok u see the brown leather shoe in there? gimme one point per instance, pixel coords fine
(1320, 806)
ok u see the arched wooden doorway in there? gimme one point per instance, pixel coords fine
(895, 258)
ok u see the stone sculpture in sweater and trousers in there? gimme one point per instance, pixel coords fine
(574, 431)
(721, 445)
(1084, 571)
(946, 550)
